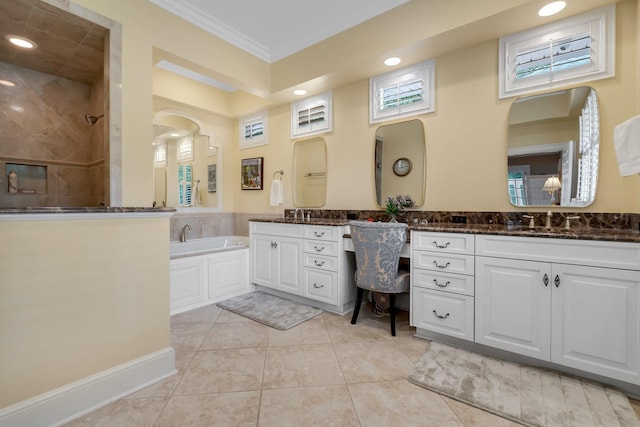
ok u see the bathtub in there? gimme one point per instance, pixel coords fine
(207, 245)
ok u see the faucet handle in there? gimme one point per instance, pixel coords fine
(531, 219)
(567, 224)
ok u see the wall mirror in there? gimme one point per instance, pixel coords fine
(310, 173)
(553, 145)
(400, 161)
(185, 179)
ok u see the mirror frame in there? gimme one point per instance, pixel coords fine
(204, 131)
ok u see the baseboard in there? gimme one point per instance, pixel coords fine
(68, 402)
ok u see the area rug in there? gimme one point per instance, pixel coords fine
(270, 310)
(526, 395)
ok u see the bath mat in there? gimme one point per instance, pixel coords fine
(270, 310)
(527, 395)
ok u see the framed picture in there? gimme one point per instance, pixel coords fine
(212, 179)
(251, 173)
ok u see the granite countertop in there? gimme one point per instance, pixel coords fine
(85, 210)
(608, 234)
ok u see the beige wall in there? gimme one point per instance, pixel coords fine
(78, 297)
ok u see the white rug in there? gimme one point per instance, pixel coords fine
(270, 310)
(527, 395)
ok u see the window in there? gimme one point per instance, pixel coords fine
(573, 50)
(185, 184)
(311, 115)
(160, 154)
(185, 149)
(401, 93)
(253, 131)
(589, 150)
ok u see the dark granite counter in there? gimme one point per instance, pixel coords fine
(84, 210)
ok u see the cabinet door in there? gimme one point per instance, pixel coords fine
(595, 320)
(187, 282)
(513, 305)
(228, 274)
(263, 256)
(289, 265)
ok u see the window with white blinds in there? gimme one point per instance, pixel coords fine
(311, 115)
(185, 149)
(160, 154)
(577, 49)
(253, 131)
(401, 93)
(589, 150)
(185, 184)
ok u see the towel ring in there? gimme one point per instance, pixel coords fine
(281, 172)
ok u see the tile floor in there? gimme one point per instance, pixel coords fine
(324, 372)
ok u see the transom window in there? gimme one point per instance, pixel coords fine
(311, 115)
(402, 93)
(577, 49)
(253, 131)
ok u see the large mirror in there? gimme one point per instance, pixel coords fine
(187, 164)
(310, 173)
(400, 161)
(553, 144)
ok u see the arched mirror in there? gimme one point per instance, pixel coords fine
(187, 163)
(553, 145)
(310, 173)
(400, 156)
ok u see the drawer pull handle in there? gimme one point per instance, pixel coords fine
(440, 285)
(319, 264)
(441, 266)
(315, 285)
(440, 246)
(274, 245)
(318, 234)
(545, 280)
(318, 249)
(556, 281)
(440, 317)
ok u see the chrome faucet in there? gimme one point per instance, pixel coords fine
(567, 224)
(295, 214)
(183, 233)
(548, 225)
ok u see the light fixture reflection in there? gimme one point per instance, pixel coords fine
(392, 61)
(7, 83)
(551, 185)
(552, 8)
(21, 41)
(299, 92)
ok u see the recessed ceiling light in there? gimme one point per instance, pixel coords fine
(299, 92)
(21, 41)
(7, 83)
(390, 62)
(174, 134)
(552, 8)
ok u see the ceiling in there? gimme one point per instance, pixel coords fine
(275, 29)
(68, 46)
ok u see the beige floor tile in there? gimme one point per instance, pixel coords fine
(125, 412)
(228, 316)
(235, 335)
(474, 417)
(635, 404)
(313, 331)
(223, 371)
(413, 347)
(212, 410)
(307, 406)
(165, 388)
(298, 366)
(188, 336)
(206, 314)
(400, 403)
(372, 361)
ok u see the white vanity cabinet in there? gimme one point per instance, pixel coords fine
(306, 262)
(572, 302)
(442, 283)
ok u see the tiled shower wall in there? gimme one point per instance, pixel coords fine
(42, 123)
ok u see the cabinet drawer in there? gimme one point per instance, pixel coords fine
(320, 247)
(443, 242)
(276, 229)
(447, 282)
(321, 285)
(443, 312)
(321, 232)
(319, 261)
(449, 263)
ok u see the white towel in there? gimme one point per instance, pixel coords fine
(626, 140)
(277, 196)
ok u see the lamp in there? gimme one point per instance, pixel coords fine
(551, 185)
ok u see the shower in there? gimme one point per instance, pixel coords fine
(91, 119)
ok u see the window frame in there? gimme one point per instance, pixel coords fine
(245, 142)
(325, 126)
(601, 26)
(423, 71)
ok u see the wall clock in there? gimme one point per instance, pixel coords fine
(402, 166)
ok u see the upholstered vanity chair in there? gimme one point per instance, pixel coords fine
(377, 247)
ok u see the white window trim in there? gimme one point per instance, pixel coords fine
(601, 20)
(307, 103)
(248, 121)
(424, 71)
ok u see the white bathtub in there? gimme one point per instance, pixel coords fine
(207, 245)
